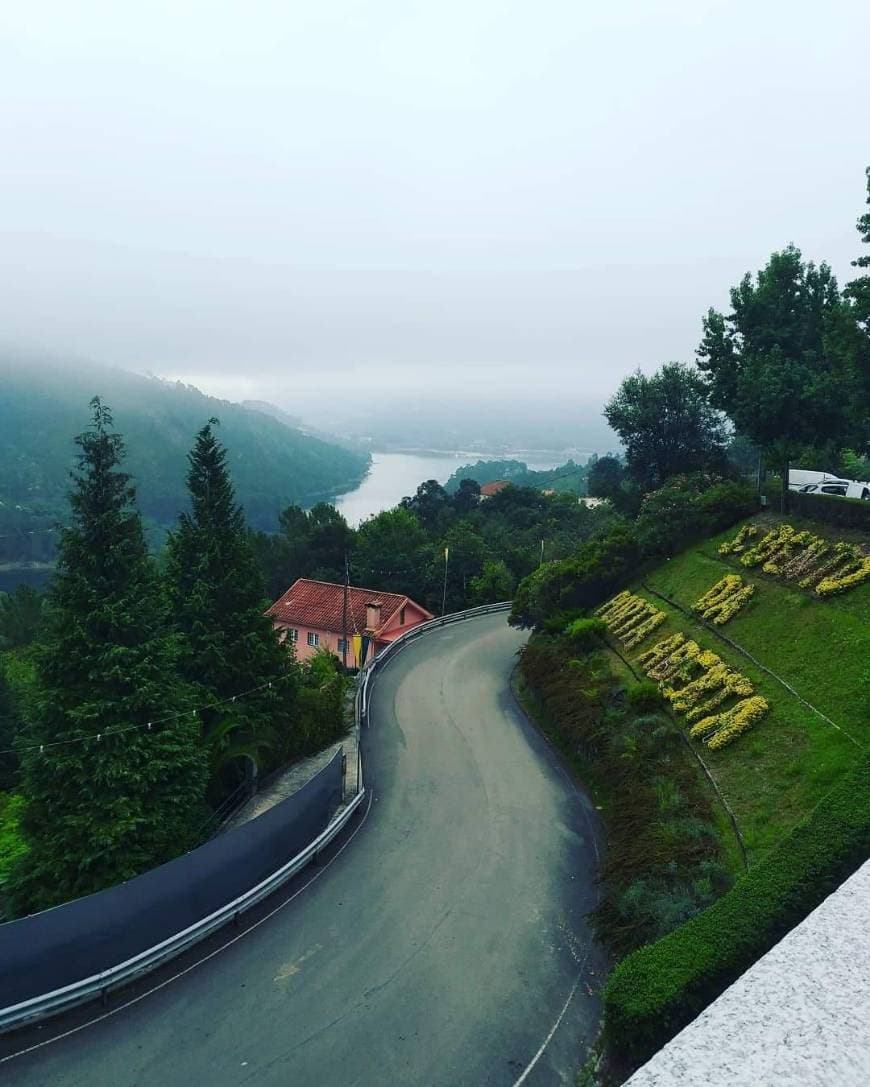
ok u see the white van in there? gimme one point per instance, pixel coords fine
(800, 478)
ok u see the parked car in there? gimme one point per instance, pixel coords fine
(842, 488)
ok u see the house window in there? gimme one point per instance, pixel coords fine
(313, 639)
(343, 647)
(293, 635)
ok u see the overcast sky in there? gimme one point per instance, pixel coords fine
(341, 200)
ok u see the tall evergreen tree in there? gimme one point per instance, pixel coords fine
(101, 807)
(229, 645)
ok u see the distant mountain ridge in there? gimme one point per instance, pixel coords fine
(296, 423)
(43, 407)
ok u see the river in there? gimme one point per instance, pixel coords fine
(394, 475)
(390, 478)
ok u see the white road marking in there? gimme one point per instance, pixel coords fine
(549, 1037)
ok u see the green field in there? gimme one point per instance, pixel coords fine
(775, 774)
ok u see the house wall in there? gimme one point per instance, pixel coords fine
(413, 616)
(329, 639)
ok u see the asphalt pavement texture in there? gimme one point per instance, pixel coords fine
(447, 944)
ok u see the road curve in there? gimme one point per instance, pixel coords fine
(445, 946)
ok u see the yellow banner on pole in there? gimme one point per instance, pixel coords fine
(356, 642)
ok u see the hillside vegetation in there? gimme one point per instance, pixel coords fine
(43, 406)
(778, 771)
(759, 639)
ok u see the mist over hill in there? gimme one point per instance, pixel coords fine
(44, 405)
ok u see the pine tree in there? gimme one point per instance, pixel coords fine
(230, 646)
(101, 807)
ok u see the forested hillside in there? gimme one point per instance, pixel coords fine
(42, 406)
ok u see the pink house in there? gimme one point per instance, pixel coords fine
(311, 615)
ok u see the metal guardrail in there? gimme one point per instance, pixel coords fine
(97, 985)
(79, 992)
(362, 699)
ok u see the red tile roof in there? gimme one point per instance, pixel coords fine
(320, 605)
(489, 489)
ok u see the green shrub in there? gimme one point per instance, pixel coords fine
(556, 624)
(584, 633)
(849, 512)
(725, 504)
(643, 697)
(657, 989)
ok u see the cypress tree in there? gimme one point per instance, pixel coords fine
(229, 645)
(101, 808)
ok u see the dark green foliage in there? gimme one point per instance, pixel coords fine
(10, 725)
(584, 634)
(228, 645)
(663, 860)
(723, 505)
(643, 697)
(598, 567)
(430, 505)
(466, 497)
(772, 363)
(854, 334)
(272, 464)
(393, 553)
(321, 719)
(833, 510)
(669, 519)
(101, 811)
(569, 477)
(12, 844)
(309, 543)
(667, 425)
(494, 584)
(492, 544)
(605, 477)
(20, 616)
(658, 989)
(467, 554)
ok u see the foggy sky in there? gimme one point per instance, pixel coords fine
(348, 201)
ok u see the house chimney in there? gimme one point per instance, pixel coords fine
(373, 614)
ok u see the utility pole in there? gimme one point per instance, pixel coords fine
(444, 592)
(344, 615)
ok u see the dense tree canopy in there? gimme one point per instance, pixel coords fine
(605, 477)
(667, 425)
(769, 363)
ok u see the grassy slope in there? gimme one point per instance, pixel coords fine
(778, 772)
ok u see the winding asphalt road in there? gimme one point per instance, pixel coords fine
(446, 945)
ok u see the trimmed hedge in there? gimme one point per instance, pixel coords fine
(850, 512)
(658, 989)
